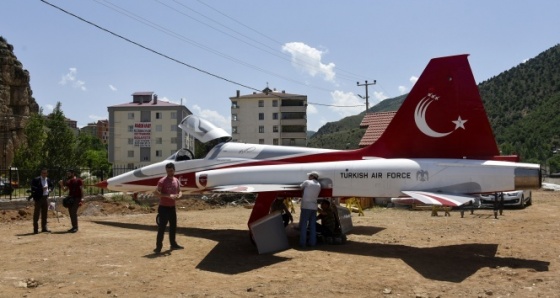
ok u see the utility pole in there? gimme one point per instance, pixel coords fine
(367, 96)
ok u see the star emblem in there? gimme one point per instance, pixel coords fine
(459, 123)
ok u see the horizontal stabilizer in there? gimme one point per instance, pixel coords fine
(439, 199)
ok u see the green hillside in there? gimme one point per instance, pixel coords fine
(346, 133)
(523, 106)
(522, 103)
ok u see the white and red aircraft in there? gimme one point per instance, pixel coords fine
(438, 149)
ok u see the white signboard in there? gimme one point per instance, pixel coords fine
(142, 134)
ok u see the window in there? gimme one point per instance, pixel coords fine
(275, 103)
(158, 127)
(174, 140)
(130, 128)
(234, 105)
(145, 116)
(261, 129)
(158, 115)
(173, 115)
(173, 127)
(234, 117)
(234, 129)
(274, 141)
(275, 116)
(131, 115)
(275, 128)
(130, 153)
(261, 103)
(130, 141)
(159, 140)
(292, 142)
(158, 153)
(130, 166)
(261, 116)
(261, 141)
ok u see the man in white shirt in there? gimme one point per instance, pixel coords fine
(308, 213)
(41, 186)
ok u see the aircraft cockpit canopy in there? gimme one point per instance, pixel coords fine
(203, 130)
(182, 154)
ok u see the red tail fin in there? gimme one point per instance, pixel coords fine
(442, 117)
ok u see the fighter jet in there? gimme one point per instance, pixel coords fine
(439, 149)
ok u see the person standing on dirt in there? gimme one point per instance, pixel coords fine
(41, 186)
(168, 190)
(308, 214)
(74, 186)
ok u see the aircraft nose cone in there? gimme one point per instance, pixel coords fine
(102, 184)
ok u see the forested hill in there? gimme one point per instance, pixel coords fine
(522, 103)
(346, 133)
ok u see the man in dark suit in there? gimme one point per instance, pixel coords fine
(41, 186)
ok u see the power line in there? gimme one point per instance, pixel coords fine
(166, 56)
(149, 49)
(350, 76)
(283, 56)
(192, 42)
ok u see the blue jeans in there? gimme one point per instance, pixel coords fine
(307, 217)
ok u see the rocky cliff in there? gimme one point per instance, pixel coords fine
(16, 103)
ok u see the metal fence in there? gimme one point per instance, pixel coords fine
(15, 184)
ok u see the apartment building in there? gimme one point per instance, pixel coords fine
(145, 131)
(99, 129)
(269, 117)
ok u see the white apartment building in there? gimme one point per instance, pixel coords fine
(145, 131)
(269, 117)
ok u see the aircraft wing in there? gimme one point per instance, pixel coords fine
(255, 188)
(439, 199)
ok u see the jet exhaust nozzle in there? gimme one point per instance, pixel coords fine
(528, 178)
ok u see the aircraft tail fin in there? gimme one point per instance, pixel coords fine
(442, 117)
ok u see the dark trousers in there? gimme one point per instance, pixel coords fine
(166, 215)
(286, 219)
(73, 211)
(41, 208)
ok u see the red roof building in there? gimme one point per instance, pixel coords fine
(375, 124)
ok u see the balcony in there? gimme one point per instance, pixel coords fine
(301, 122)
(293, 135)
(297, 109)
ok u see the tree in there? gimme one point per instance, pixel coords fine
(30, 155)
(59, 146)
(97, 161)
(554, 163)
(91, 153)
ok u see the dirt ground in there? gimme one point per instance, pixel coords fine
(391, 252)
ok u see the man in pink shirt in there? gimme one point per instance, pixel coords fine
(168, 190)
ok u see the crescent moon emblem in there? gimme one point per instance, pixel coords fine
(420, 119)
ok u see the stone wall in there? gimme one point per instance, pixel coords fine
(16, 103)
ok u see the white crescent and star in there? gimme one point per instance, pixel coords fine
(420, 118)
